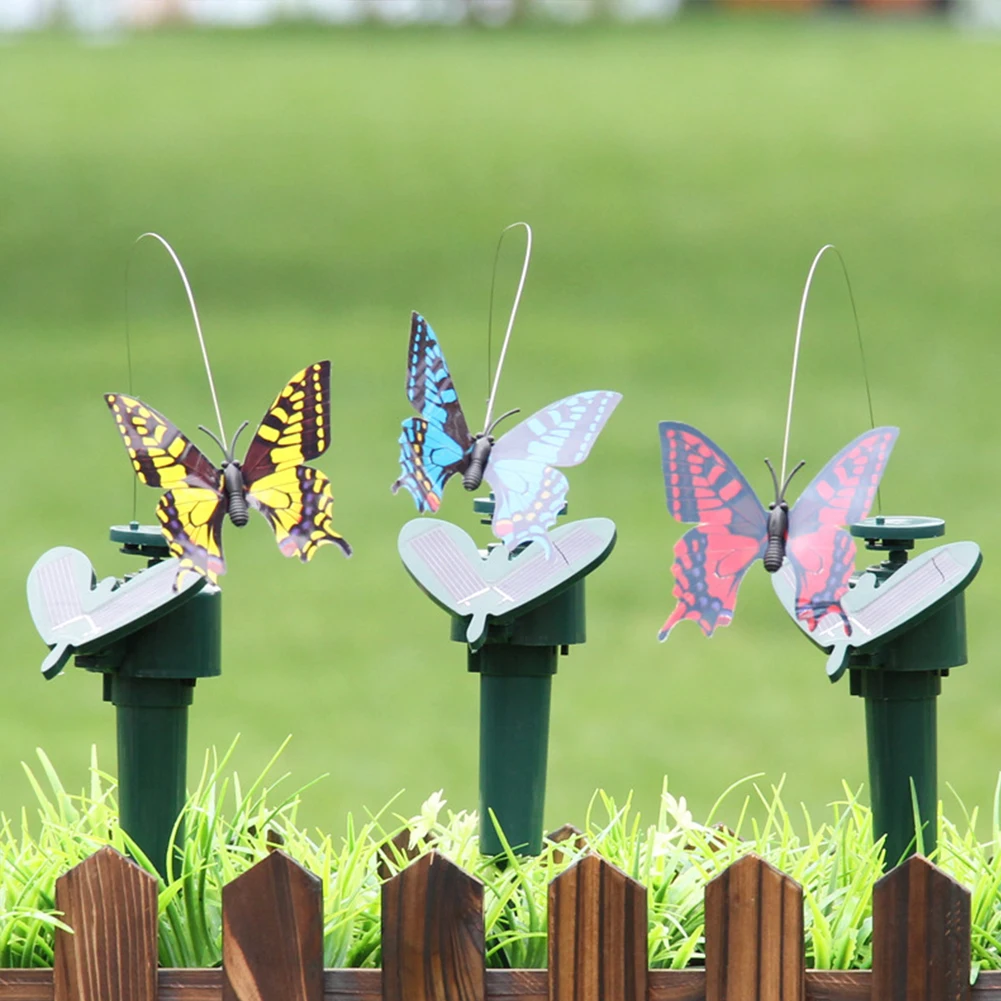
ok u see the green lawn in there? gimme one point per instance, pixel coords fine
(320, 185)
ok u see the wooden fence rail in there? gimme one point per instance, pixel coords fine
(433, 941)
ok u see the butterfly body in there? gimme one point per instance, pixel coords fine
(520, 466)
(479, 455)
(733, 529)
(295, 499)
(236, 494)
(778, 530)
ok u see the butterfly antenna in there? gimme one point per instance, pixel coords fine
(222, 446)
(799, 335)
(795, 469)
(503, 417)
(775, 479)
(232, 447)
(198, 326)
(514, 311)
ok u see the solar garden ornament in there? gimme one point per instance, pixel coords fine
(156, 632)
(897, 631)
(517, 606)
(900, 628)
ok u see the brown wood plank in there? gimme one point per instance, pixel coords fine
(110, 903)
(432, 934)
(502, 985)
(272, 933)
(754, 934)
(921, 935)
(597, 934)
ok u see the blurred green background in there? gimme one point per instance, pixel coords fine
(321, 184)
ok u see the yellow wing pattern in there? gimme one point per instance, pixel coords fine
(192, 511)
(191, 518)
(160, 454)
(296, 499)
(298, 505)
(296, 427)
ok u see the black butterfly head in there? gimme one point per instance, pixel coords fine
(482, 443)
(232, 479)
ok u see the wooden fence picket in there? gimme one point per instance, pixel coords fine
(597, 934)
(566, 833)
(920, 935)
(432, 934)
(110, 903)
(754, 934)
(272, 933)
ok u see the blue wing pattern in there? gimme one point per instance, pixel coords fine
(528, 491)
(435, 445)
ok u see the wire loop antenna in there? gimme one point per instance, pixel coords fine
(198, 324)
(799, 336)
(514, 310)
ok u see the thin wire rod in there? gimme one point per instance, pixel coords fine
(128, 361)
(514, 311)
(799, 334)
(198, 324)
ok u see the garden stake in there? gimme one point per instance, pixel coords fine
(911, 620)
(516, 615)
(151, 646)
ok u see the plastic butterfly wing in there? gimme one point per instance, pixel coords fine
(435, 445)
(529, 492)
(821, 552)
(704, 486)
(192, 510)
(295, 499)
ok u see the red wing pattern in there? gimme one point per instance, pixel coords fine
(821, 552)
(704, 486)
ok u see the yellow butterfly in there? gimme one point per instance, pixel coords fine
(294, 498)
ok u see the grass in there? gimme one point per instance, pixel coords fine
(320, 184)
(230, 828)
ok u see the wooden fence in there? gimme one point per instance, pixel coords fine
(432, 927)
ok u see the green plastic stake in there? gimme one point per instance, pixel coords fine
(151, 643)
(516, 615)
(908, 629)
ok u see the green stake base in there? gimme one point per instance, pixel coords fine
(901, 738)
(152, 723)
(515, 689)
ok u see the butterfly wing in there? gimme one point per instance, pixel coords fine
(435, 445)
(191, 518)
(705, 487)
(191, 512)
(296, 427)
(160, 454)
(529, 492)
(298, 504)
(821, 552)
(296, 499)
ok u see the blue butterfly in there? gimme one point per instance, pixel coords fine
(528, 491)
